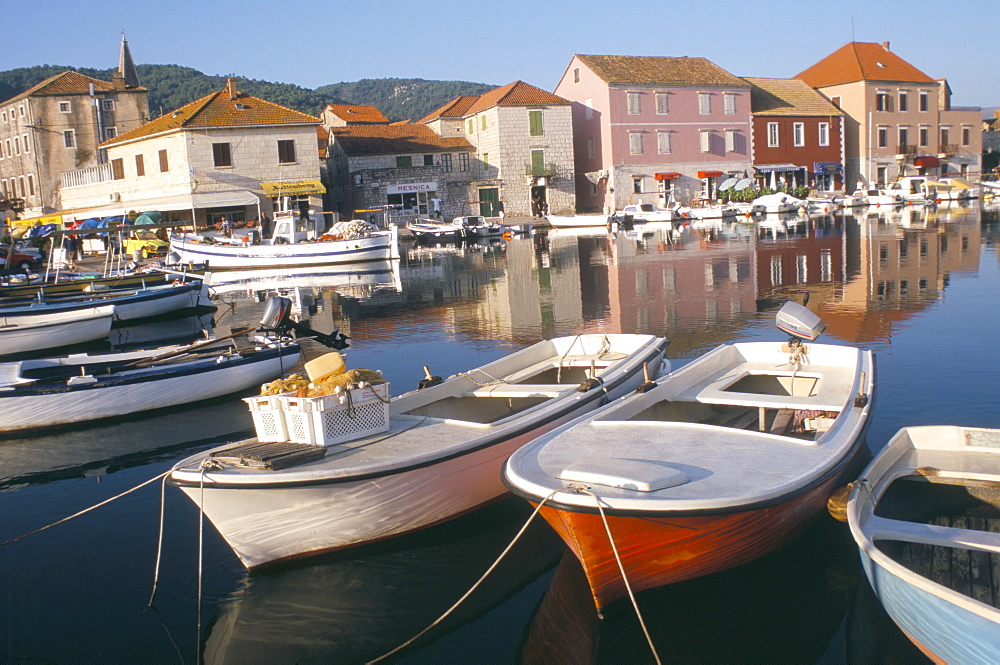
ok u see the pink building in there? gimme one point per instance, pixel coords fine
(648, 128)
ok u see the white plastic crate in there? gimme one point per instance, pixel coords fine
(268, 418)
(331, 419)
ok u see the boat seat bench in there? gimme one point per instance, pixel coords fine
(834, 389)
(521, 390)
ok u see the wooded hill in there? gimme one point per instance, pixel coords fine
(173, 86)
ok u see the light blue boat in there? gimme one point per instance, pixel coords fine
(926, 517)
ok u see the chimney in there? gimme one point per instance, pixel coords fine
(231, 88)
(885, 45)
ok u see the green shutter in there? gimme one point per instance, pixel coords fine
(535, 123)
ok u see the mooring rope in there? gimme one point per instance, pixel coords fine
(473, 588)
(159, 541)
(201, 552)
(621, 569)
(84, 511)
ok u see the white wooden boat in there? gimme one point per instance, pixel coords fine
(576, 221)
(54, 392)
(28, 333)
(647, 212)
(294, 242)
(926, 518)
(434, 230)
(777, 203)
(724, 460)
(439, 458)
(130, 304)
(475, 227)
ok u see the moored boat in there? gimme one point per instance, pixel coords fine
(434, 230)
(50, 393)
(296, 241)
(716, 464)
(424, 457)
(926, 517)
(576, 221)
(130, 304)
(30, 333)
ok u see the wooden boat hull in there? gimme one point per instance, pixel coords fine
(661, 549)
(48, 405)
(576, 221)
(73, 283)
(40, 332)
(926, 517)
(129, 306)
(379, 246)
(440, 458)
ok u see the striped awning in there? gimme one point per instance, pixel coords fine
(779, 168)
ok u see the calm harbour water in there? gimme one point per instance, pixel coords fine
(919, 287)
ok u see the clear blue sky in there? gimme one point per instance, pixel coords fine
(313, 44)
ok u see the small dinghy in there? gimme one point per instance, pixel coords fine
(356, 467)
(50, 393)
(926, 518)
(714, 465)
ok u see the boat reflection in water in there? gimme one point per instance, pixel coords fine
(352, 609)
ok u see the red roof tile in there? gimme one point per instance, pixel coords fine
(517, 93)
(659, 70)
(356, 113)
(394, 139)
(68, 83)
(219, 110)
(786, 97)
(862, 61)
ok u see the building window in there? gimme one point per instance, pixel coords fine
(729, 100)
(591, 148)
(535, 127)
(117, 169)
(945, 135)
(772, 135)
(576, 75)
(904, 139)
(11, 154)
(463, 161)
(428, 160)
(537, 162)
(662, 103)
(635, 143)
(404, 161)
(966, 136)
(69, 139)
(164, 164)
(221, 154)
(588, 108)
(634, 104)
(140, 166)
(637, 184)
(470, 127)
(486, 163)
(20, 182)
(31, 185)
(64, 107)
(3, 188)
(904, 101)
(27, 144)
(882, 134)
(17, 145)
(110, 132)
(446, 162)
(824, 133)
(286, 152)
(798, 134)
(924, 103)
(882, 101)
(706, 140)
(924, 136)
(5, 116)
(663, 143)
(704, 103)
(482, 122)
(107, 105)
(730, 140)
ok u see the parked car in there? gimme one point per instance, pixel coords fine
(21, 260)
(146, 243)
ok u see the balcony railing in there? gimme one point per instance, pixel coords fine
(88, 176)
(540, 170)
(906, 150)
(948, 149)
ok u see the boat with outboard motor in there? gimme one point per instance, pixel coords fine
(376, 468)
(707, 468)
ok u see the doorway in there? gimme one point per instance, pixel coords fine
(489, 200)
(539, 202)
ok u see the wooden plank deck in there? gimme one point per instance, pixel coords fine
(272, 455)
(972, 573)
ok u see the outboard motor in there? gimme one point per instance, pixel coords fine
(276, 317)
(799, 322)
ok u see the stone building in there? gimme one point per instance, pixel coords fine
(228, 154)
(59, 125)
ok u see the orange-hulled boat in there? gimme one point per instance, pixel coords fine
(711, 466)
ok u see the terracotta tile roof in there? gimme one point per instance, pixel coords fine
(456, 108)
(68, 83)
(862, 61)
(774, 97)
(219, 110)
(356, 113)
(323, 141)
(659, 70)
(394, 139)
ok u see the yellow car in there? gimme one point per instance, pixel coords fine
(146, 243)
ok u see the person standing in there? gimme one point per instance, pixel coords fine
(436, 203)
(500, 210)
